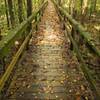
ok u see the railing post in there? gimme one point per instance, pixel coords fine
(63, 23)
(2, 65)
(73, 36)
(40, 15)
(42, 12)
(36, 22)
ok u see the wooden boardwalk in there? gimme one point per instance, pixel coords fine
(48, 70)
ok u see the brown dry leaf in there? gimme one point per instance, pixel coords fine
(78, 97)
(82, 88)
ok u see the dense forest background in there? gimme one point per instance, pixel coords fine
(87, 12)
(13, 12)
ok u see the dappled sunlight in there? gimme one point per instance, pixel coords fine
(50, 39)
(97, 27)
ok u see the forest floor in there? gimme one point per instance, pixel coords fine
(92, 25)
(49, 70)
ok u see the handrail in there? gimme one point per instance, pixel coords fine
(83, 66)
(12, 64)
(10, 68)
(82, 31)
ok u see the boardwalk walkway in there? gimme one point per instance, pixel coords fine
(48, 70)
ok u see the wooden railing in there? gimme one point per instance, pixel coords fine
(81, 30)
(64, 15)
(9, 41)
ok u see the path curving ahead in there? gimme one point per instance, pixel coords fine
(48, 70)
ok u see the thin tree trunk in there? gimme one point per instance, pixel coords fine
(72, 7)
(29, 7)
(59, 2)
(84, 6)
(95, 2)
(20, 11)
(93, 7)
(11, 13)
(0, 34)
(7, 16)
(29, 11)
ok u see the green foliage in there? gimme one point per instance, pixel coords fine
(3, 20)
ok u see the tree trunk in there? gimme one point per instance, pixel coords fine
(59, 2)
(93, 7)
(29, 11)
(84, 6)
(11, 13)
(72, 7)
(7, 16)
(0, 34)
(29, 7)
(95, 2)
(20, 11)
